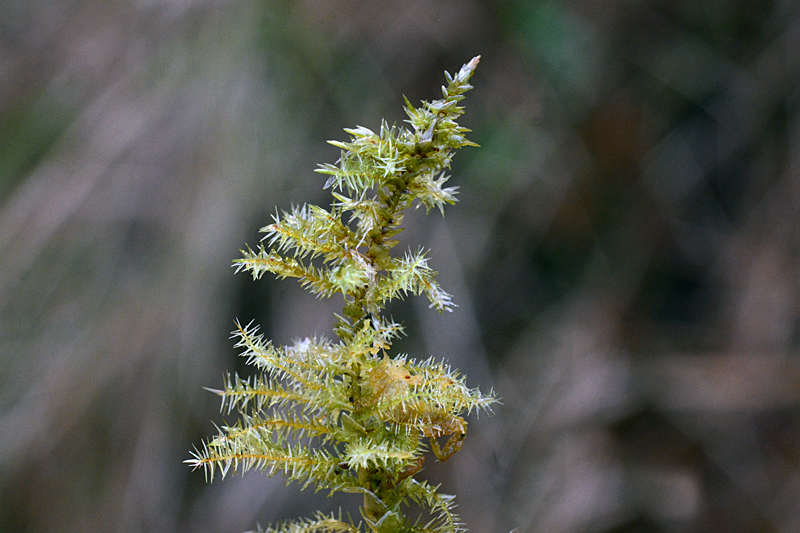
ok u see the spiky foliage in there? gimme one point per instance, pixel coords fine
(343, 415)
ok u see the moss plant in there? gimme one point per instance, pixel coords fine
(344, 415)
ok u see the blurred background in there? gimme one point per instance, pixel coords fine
(624, 255)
